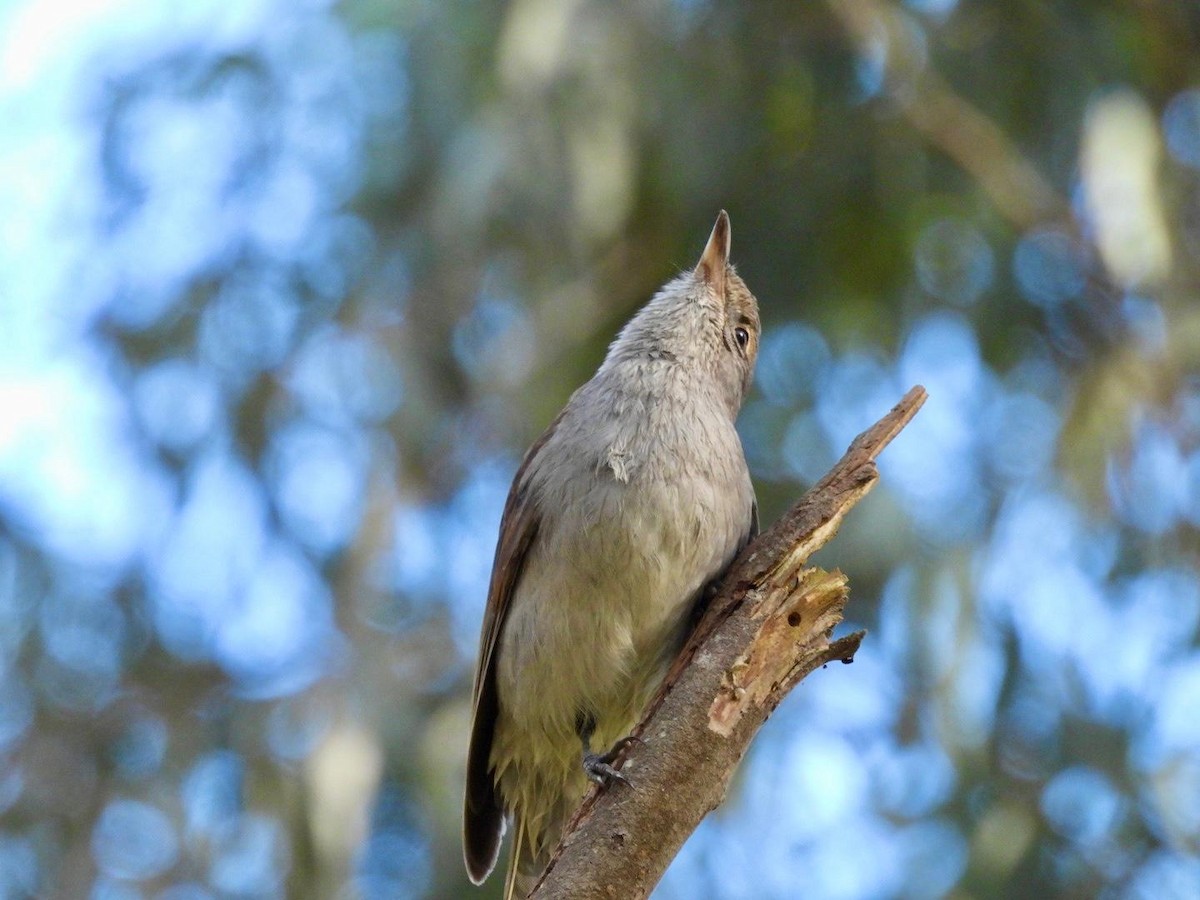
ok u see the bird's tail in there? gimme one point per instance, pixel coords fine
(514, 856)
(523, 866)
(532, 846)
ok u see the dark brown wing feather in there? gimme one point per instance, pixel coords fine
(483, 813)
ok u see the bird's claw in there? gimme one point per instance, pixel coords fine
(599, 766)
(600, 771)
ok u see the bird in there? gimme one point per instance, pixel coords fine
(635, 498)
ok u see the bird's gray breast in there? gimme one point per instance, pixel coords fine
(639, 506)
(657, 496)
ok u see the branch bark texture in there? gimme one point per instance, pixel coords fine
(768, 625)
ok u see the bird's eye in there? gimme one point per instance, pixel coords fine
(742, 335)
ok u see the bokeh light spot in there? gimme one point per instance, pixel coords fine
(134, 840)
(954, 261)
(1181, 126)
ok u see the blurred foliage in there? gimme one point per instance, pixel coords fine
(285, 289)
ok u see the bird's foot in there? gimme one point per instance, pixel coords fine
(599, 766)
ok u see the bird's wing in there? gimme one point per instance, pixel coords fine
(483, 813)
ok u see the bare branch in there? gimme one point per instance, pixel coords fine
(769, 624)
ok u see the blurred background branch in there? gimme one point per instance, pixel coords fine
(887, 33)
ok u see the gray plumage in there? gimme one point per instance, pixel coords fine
(621, 513)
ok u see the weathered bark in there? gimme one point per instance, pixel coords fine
(768, 625)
